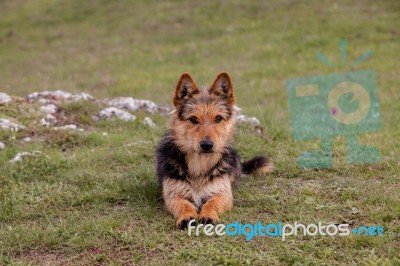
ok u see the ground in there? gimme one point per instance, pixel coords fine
(92, 198)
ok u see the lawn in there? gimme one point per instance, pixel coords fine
(91, 197)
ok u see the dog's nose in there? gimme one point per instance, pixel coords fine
(206, 145)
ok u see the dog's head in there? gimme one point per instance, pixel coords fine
(203, 118)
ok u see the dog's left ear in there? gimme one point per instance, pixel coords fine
(223, 86)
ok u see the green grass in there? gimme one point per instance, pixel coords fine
(94, 198)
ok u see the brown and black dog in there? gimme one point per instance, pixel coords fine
(197, 165)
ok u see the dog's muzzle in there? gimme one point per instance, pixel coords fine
(206, 145)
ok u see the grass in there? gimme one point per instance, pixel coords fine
(94, 199)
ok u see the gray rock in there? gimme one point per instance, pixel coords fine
(57, 95)
(7, 124)
(4, 98)
(48, 120)
(48, 109)
(134, 105)
(112, 112)
(149, 122)
(69, 127)
(241, 118)
(19, 156)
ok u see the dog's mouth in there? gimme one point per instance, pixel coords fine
(211, 151)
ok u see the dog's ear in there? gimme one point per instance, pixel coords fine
(223, 86)
(185, 88)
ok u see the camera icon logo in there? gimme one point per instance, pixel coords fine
(339, 104)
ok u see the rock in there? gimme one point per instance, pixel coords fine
(149, 122)
(69, 127)
(4, 98)
(48, 109)
(42, 101)
(2, 146)
(81, 97)
(48, 120)
(27, 139)
(48, 96)
(112, 112)
(246, 119)
(134, 105)
(240, 118)
(22, 155)
(58, 95)
(7, 124)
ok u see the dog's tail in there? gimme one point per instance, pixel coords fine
(257, 165)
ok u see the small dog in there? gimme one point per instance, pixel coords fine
(196, 163)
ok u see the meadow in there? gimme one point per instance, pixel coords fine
(91, 197)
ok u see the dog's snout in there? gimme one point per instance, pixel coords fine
(206, 145)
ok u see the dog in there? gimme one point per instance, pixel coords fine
(196, 164)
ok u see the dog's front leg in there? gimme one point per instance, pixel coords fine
(216, 205)
(182, 209)
(176, 194)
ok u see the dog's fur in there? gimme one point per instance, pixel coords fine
(197, 183)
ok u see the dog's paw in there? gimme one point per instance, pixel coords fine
(183, 222)
(208, 218)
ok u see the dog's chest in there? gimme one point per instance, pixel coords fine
(201, 189)
(200, 165)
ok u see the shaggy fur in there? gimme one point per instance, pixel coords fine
(197, 165)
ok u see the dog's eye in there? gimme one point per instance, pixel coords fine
(194, 120)
(218, 119)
